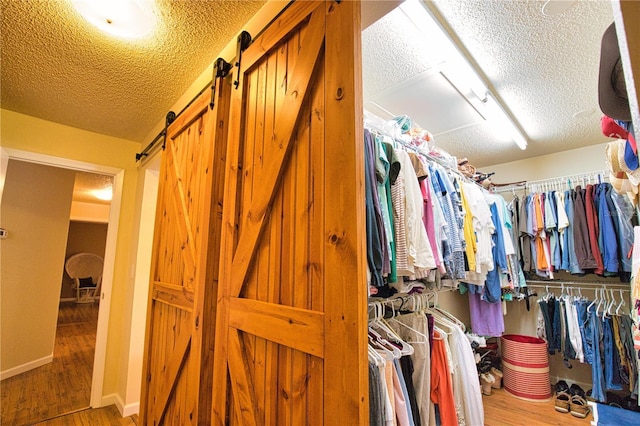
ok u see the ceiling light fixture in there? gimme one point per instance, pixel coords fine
(105, 194)
(556, 7)
(121, 18)
(459, 71)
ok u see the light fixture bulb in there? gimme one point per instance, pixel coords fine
(104, 194)
(121, 18)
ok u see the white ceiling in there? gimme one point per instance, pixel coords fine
(543, 68)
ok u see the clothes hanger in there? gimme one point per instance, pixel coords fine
(386, 333)
(593, 302)
(621, 303)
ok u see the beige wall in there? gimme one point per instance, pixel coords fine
(25, 133)
(587, 159)
(90, 212)
(35, 211)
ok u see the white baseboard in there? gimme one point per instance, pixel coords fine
(26, 367)
(111, 399)
(126, 410)
(130, 409)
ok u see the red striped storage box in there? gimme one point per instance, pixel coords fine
(525, 367)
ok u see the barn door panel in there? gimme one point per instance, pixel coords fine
(181, 315)
(291, 321)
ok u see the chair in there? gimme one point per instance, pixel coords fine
(86, 271)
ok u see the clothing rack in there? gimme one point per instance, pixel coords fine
(591, 285)
(543, 185)
(374, 120)
(429, 298)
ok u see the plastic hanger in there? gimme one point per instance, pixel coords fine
(593, 302)
(389, 335)
(620, 304)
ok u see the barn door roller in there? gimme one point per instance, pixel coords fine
(244, 40)
(170, 118)
(221, 69)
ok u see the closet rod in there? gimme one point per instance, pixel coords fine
(437, 161)
(590, 284)
(584, 175)
(556, 286)
(604, 176)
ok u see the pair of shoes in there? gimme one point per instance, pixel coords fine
(562, 397)
(579, 406)
(497, 374)
(486, 381)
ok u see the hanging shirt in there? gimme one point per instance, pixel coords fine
(525, 236)
(625, 212)
(419, 252)
(582, 246)
(429, 220)
(469, 232)
(441, 386)
(483, 228)
(375, 255)
(594, 228)
(563, 223)
(607, 231)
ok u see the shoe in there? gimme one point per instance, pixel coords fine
(497, 384)
(562, 397)
(579, 406)
(486, 380)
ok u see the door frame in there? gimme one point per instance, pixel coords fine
(100, 355)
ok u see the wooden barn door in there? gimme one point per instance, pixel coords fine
(291, 326)
(178, 361)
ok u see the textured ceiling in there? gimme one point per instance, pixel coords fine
(543, 68)
(85, 183)
(57, 67)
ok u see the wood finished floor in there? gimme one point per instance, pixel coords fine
(42, 396)
(93, 417)
(502, 409)
(63, 385)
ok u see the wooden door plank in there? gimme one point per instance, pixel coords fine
(242, 385)
(287, 22)
(285, 124)
(182, 222)
(300, 329)
(230, 221)
(300, 216)
(170, 375)
(345, 368)
(288, 254)
(174, 295)
(316, 241)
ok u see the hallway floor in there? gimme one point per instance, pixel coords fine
(63, 385)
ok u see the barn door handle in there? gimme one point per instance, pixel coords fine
(244, 40)
(221, 69)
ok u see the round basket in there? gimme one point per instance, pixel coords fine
(525, 367)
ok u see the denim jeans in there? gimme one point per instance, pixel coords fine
(557, 327)
(611, 358)
(587, 346)
(594, 333)
(548, 326)
(569, 352)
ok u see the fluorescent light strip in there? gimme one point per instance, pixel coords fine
(462, 74)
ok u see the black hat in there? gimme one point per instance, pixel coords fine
(612, 90)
